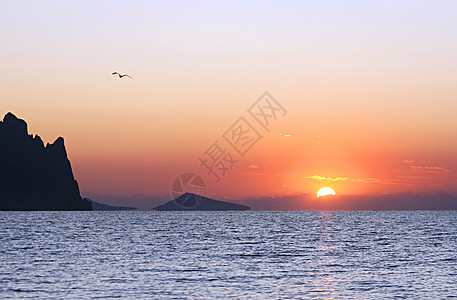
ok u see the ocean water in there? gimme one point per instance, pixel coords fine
(228, 255)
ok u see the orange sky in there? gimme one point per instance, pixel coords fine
(369, 91)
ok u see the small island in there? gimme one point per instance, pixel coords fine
(107, 207)
(202, 203)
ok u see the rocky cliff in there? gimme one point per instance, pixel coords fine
(34, 176)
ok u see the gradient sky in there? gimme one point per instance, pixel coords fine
(369, 87)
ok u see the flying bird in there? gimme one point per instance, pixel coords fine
(121, 75)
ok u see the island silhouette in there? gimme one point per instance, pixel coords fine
(107, 207)
(182, 204)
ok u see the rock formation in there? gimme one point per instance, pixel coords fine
(34, 176)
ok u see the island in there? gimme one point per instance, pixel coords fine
(107, 207)
(198, 202)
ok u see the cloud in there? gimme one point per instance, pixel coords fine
(425, 169)
(365, 180)
(323, 178)
(368, 180)
(406, 182)
(335, 179)
(430, 169)
(251, 173)
(254, 169)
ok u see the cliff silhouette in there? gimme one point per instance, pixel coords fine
(34, 176)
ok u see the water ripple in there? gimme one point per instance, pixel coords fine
(227, 255)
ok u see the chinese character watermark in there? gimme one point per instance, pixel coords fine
(266, 110)
(241, 136)
(188, 189)
(217, 161)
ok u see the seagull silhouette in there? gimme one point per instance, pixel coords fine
(121, 75)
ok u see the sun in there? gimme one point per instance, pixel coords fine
(325, 191)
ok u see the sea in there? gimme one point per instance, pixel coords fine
(228, 255)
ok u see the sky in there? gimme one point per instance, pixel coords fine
(368, 91)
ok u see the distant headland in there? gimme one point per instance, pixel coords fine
(34, 176)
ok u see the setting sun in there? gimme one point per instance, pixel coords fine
(325, 191)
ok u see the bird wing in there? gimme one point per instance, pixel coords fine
(128, 76)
